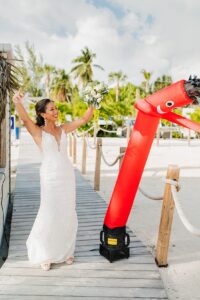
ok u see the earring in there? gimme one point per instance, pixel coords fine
(45, 122)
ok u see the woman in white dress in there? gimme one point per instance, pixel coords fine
(53, 234)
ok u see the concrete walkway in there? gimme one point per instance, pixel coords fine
(91, 276)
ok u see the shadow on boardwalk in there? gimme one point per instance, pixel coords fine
(91, 276)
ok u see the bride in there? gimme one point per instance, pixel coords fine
(53, 234)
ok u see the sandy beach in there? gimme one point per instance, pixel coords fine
(181, 278)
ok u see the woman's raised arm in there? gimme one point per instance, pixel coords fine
(71, 126)
(23, 115)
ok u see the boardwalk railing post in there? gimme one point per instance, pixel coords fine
(74, 148)
(95, 132)
(97, 165)
(121, 150)
(70, 145)
(84, 155)
(166, 219)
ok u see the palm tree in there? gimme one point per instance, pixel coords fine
(31, 69)
(61, 87)
(83, 70)
(9, 83)
(161, 82)
(117, 77)
(147, 77)
(48, 71)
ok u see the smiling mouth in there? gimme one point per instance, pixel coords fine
(159, 110)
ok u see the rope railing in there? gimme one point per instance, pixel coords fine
(110, 164)
(187, 224)
(112, 131)
(150, 196)
(170, 201)
(88, 143)
(84, 132)
(101, 156)
(114, 162)
(140, 189)
(106, 130)
(97, 129)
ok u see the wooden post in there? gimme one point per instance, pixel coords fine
(84, 155)
(70, 145)
(95, 133)
(128, 132)
(166, 219)
(74, 148)
(97, 165)
(189, 136)
(121, 150)
(3, 137)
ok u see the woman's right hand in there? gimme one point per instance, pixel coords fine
(18, 97)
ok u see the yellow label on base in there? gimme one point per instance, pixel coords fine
(112, 241)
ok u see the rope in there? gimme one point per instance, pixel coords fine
(81, 134)
(114, 131)
(99, 128)
(186, 223)
(114, 162)
(150, 196)
(88, 143)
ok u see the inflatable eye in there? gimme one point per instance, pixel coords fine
(169, 103)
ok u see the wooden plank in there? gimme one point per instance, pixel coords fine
(83, 291)
(134, 265)
(43, 297)
(85, 281)
(82, 273)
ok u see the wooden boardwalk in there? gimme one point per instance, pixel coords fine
(91, 276)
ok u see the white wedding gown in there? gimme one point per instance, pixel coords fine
(53, 234)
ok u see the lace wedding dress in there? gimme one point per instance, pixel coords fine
(53, 235)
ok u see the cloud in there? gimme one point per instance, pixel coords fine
(160, 36)
(170, 39)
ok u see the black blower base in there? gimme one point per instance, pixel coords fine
(114, 243)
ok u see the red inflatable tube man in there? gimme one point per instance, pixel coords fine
(113, 237)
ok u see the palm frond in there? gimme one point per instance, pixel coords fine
(99, 67)
(8, 83)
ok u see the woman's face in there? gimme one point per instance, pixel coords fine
(51, 112)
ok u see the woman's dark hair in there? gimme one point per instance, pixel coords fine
(40, 107)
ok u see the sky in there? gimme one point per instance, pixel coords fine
(161, 37)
